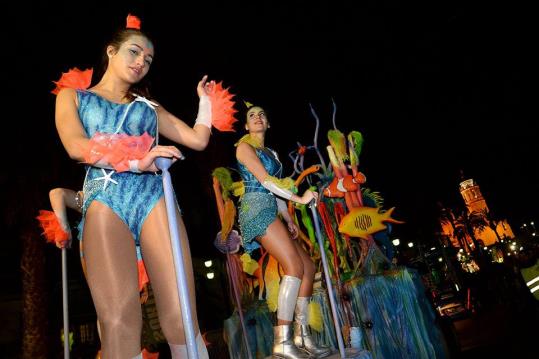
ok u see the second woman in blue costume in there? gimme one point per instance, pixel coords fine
(124, 209)
(264, 193)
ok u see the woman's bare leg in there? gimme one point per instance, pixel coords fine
(309, 270)
(157, 253)
(111, 265)
(278, 243)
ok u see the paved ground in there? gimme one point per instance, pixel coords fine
(498, 332)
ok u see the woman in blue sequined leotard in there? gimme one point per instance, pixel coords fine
(261, 170)
(124, 209)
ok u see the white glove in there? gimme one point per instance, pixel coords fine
(204, 112)
(278, 191)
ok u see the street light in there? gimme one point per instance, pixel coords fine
(410, 244)
(396, 242)
(208, 264)
(210, 275)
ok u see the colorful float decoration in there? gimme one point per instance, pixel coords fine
(381, 308)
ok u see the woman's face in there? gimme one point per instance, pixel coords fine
(256, 120)
(132, 60)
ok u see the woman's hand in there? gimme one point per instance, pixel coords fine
(308, 196)
(67, 229)
(204, 88)
(293, 229)
(66, 243)
(147, 163)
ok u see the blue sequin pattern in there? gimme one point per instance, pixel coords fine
(130, 195)
(258, 207)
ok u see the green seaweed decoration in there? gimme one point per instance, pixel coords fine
(355, 143)
(338, 142)
(224, 177)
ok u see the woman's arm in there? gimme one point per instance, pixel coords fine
(283, 210)
(61, 199)
(68, 124)
(76, 142)
(198, 136)
(247, 156)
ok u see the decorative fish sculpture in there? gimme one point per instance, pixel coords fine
(364, 221)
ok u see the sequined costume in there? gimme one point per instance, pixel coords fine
(258, 207)
(130, 195)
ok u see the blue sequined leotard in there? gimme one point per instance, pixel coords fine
(258, 208)
(130, 195)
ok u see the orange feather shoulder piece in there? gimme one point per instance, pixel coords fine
(75, 79)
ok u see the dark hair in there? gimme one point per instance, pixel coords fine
(248, 109)
(141, 88)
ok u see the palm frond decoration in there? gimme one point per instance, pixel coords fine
(355, 144)
(373, 196)
(224, 177)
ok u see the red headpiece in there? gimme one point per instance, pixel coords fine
(132, 22)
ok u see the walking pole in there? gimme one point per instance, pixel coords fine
(65, 303)
(181, 281)
(54, 233)
(348, 352)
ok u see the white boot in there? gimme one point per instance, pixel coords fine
(283, 344)
(302, 332)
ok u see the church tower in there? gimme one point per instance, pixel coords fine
(475, 202)
(472, 196)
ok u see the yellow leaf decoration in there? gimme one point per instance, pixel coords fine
(272, 279)
(249, 265)
(315, 316)
(238, 188)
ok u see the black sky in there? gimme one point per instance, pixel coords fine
(434, 88)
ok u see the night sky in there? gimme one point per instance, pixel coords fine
(435, 89)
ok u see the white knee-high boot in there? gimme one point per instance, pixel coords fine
(283, 343)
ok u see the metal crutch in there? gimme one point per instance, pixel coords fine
(181, 281)
(65, 303)
(344, 352)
